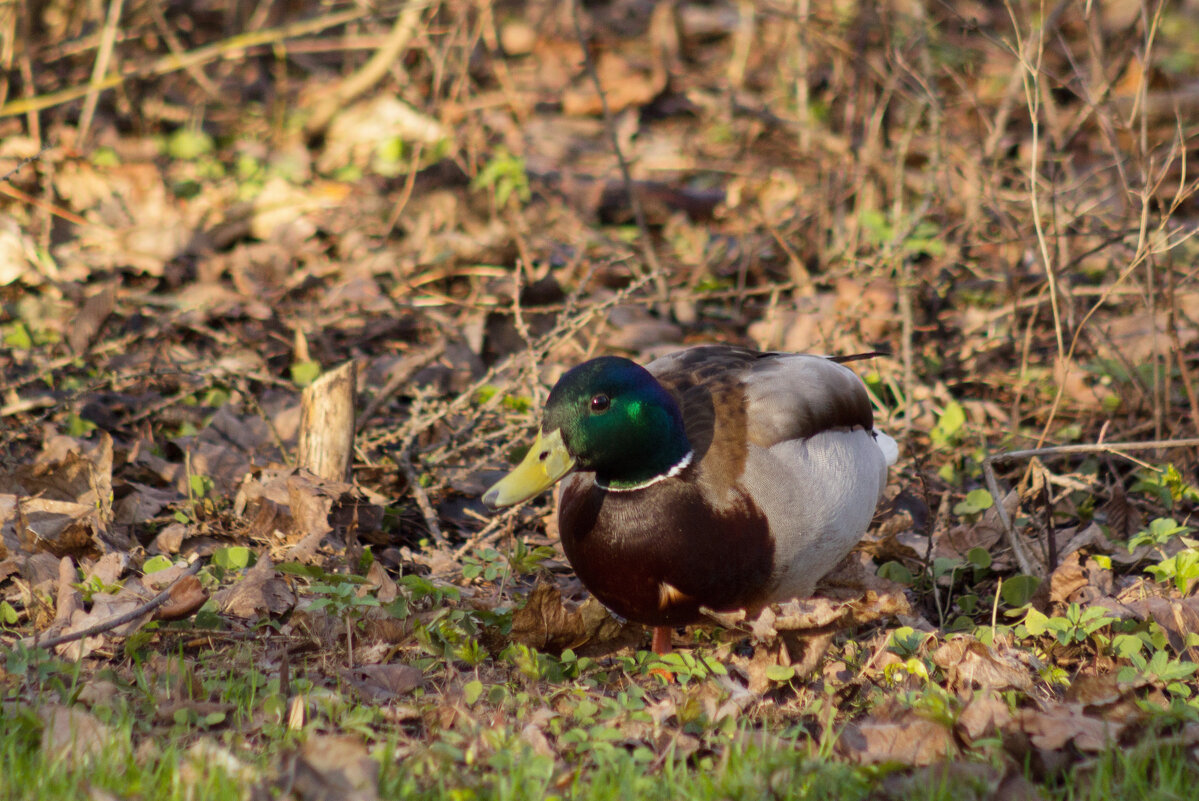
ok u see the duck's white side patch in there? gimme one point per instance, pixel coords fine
(674, 471)
(819, 495)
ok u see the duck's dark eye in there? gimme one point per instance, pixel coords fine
(600, 403)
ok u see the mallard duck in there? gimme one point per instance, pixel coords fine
(717, 477)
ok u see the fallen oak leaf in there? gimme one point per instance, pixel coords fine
(986, 714)
(973, 781)
(74, 735)
(331, 766)
(186, 596)
(111, 623)
(259, 591)
(909, 740)
(1177, 619)
(383, 683)
(547, 624)
(1063, 723)
(968, 663)
(808, 614)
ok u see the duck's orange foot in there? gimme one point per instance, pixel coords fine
(662, 673)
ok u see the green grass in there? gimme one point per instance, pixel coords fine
(487, 758)
(746, 768)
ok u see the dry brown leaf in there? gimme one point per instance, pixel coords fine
(383, 683)
(72, 470)
(108, 569)
(380, 583)
(1099, 578)
(985, 715)
(1137, 335)
(869, 596)
(69, 598)
(1015, 787)
(1062, 723)
(536, 739)
(1095, 690)
(323, 628)
(871, 305)
(333, 767)
(1177, 619)
(763, 659)
(137, 503)
(1090, 537)
(105, 607)
(908, 740)
(956, 542)
(1067, 579)
(1104, 696)
(635, 328)
(968, 663)
(546, 623)
(140, 224)
(260, 591)
(170, 539)
(86, 324)
(624, 85)
(971, 781)
(207, 756)
(18, 254)
(356, 133)
(73, 735)
(186, 597)
(99, 693)
(898, 536)
(59, 527)
(801, 614)
(301, 509)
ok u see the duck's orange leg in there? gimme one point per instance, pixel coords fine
(662, 635)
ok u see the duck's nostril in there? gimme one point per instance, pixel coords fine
(541, 457)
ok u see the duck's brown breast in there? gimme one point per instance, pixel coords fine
(658, 554)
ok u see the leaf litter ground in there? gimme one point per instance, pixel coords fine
(1008, 214)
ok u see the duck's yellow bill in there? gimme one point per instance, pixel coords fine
(545, 463)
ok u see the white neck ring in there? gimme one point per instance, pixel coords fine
(674, 471)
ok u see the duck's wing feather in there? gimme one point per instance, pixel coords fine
(779, 396)
(794, 433)
(796, 396)
(708, 383)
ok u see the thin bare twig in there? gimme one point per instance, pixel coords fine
(116, 620)
(1116, 448)
(172, 63)
(404, 460)
(647, 246)
(99, 70)
(374, 69)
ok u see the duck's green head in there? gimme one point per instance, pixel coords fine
(608, 415)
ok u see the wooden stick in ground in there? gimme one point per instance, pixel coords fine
(327, 423)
